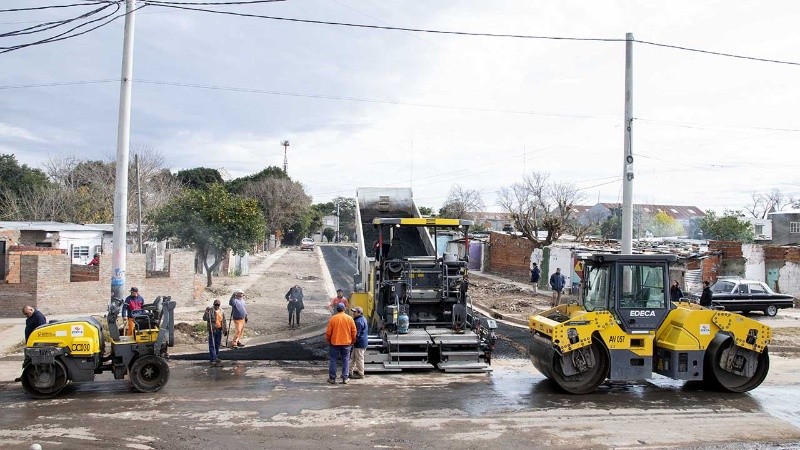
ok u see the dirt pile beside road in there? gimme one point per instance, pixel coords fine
(510, 300)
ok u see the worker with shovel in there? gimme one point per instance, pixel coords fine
(215, 319)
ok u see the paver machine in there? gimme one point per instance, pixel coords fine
(413, 291)
(77, 350)
(626, 327)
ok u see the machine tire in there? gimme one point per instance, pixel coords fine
(28, 386)
(149, 373)
(718, 378)
(586, 382)
(771, 311)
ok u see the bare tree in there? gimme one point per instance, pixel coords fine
(462, 203)
(587, 224)
(282, 201)
(539, 205)
(765, 203)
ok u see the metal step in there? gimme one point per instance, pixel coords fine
(407, 365)
(464, 367)
(461, 353)
(378, 367)
(402, 354)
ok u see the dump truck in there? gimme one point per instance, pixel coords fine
(414, 293)
(78, 349)
(625, 327)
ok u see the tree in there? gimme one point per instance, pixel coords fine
(764, 203)
(237, 185)
(461, 203)
(329, 233)
(538, 204)
(347, 215)
(213, 221)
(425, 211)
(664, 225)
(16, 178)
(729, 227)
(282, 201)
(199, 178)
(589, 223)
(611, 228)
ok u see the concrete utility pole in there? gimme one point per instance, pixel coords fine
(627, 165)
(337, 221)
(285, 145)
(123, 147)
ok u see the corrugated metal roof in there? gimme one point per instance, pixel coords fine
(677, 212)
(46, 226)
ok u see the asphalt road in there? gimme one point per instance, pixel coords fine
(341, 265)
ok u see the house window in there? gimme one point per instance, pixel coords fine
(759, 229)
(80, 252)
(794, 227)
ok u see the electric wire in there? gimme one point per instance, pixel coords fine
(46, 26)
(39, 8)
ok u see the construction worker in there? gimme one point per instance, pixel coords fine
(340, 298)
(35, 318)
(215, 318)
(239, 316)
(361, 343)
(340, 335)
(133, 302)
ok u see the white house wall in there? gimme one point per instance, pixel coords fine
(91, 239)
(789, 279)
(754, 266)
(561, 258)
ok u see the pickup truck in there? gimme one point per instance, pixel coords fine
(735, 294)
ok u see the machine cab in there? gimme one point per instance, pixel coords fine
(634, 288)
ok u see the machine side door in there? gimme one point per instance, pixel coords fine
(642, 295)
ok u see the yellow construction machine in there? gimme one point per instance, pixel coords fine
(625, 327)
(77, 349)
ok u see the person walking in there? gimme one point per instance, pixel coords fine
(557, 283)
(294, 303)
(361, 343)
(675, 292)
(705, 297)
(133, 302)
(35, 318)
(340, 298)
(536, 273)
(340, 335)
(239, 316)
(215, 319)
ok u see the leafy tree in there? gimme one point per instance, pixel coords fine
(199, 178)
(329, 233)
(729, 227)
(611, 228)
(213, 221)
(347, 215)
(462, 203)
(282, 201)
(425, 210)
(16, 178)
(271, 172)
(538, 204)
(664, 225)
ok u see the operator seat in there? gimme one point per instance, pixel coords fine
(396, 250)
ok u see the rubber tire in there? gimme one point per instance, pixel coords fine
(771, 311)
(718, 378)
(149, 373)
(588, 381)
(33, 391)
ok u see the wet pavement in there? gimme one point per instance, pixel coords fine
(290, 405)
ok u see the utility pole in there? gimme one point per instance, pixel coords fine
(139, 205)
(285, 145)
(337, 220)
(627, 165)
(123, 147)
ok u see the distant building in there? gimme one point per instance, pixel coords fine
(81, 242)
(762, 228)
(493, 221)
(601, 211)
(785, 227)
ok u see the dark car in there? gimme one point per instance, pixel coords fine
(734, 294)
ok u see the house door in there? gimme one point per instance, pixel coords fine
(772, 279)
(2, 260)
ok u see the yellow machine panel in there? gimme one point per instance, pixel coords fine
(692, 327)
(81, 337)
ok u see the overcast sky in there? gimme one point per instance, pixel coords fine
(367, 107)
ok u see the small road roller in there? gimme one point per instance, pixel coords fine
(77, 349)
(626, 327)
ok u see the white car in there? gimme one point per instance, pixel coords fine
(307, 244)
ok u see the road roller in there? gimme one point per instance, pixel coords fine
(77, 349)
(625, 327)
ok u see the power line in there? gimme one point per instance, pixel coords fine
(248, 2)
(38, 8)
(42, 27)
(710, 52)
(59, 83)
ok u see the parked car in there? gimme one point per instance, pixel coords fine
(735, 294)
(307, 244)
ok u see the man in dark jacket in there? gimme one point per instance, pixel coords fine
(536, 273)
(675, 292)
(133, 302)
(557, 283)
(34, 319)
(705, 297)
(215, 320)
(294, 303)
(360, 345)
